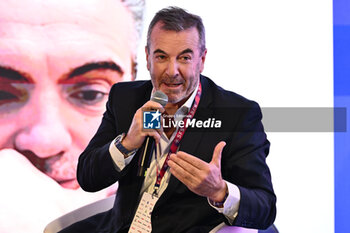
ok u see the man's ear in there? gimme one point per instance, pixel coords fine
(204, 54)
(147, 57)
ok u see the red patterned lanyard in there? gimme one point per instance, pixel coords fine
(176, 142)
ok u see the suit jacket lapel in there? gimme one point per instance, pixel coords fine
(191, 139)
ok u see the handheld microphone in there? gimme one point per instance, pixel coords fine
(149, 143)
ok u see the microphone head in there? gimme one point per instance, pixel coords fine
(160, 97)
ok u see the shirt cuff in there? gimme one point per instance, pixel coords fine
(118, 158)
(231, 205)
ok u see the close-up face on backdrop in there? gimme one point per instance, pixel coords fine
(59, 58)
(56, 70)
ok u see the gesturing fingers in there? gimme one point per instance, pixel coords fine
(190, 170)
(183, 172)
(216, 159)
(200, 177)
(188, 162)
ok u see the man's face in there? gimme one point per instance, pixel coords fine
(58, 60)
(175, 62)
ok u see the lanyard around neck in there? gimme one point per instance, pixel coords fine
(176, 142)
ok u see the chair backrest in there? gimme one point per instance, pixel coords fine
(271, 229)
(223, 228)
(80, 214)
(107, 203)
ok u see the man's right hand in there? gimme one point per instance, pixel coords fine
(137, 134)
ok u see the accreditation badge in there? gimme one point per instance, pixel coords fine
(142, 219)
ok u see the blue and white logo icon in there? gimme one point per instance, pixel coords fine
(151, 119)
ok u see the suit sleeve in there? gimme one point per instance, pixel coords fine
(245, 166)
(96, 169)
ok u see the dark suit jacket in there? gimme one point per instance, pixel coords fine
(178, 209)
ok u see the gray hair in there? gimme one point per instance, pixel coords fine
(136, 7)
(177, 19)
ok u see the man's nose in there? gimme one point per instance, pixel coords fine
(46, 134)
(172, 69)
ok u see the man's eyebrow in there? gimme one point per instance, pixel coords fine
(7, 72)
(104, 65)
(186, 51)
(182, 52)
(159, 51)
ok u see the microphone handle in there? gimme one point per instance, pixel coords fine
(146, 155)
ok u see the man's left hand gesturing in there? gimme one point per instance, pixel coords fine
(200, 177)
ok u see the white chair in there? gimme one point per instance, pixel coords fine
(80, 214)
(223, 228)
(106, 204)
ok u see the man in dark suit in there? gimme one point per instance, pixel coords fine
(212, 174)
